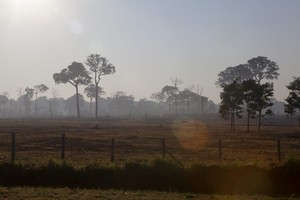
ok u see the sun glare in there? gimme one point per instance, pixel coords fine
(27, 4)
(192, 135)
(29, 8)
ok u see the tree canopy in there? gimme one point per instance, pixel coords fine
(292, 107)
(39, 89)
(238, 73)
(231, 102)
(249, 97)
(90, 91)
(262, 68)
(264, 94)
(76, 75)
(256, 68)
(100, 66)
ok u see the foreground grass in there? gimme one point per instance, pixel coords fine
(90, 194)
(158, 175)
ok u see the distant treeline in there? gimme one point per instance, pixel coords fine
(118, 104)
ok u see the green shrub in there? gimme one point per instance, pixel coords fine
(164, 175)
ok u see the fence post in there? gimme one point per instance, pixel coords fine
(279, 150)
(112, 150)
(220, 149)
(163, 145)
(63, 142)
(13, 147)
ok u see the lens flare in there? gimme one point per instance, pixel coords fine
(192, 135)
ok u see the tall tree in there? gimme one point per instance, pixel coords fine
(262, 68)
(186, 97)
(169, 93)
(53, 103)
(263, 94)
(256, 68)
(123, 103)
(159, 98)
(176, 82)
(293, 100)
(90, 92)
(29, 92)
(37, 90)
(238, 73)
(231, 102)
(76, 75)
(249, 96)
(100, 66)
(3, 101)
(201, 100)
(20, 99)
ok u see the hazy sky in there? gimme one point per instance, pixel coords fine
(149, 41)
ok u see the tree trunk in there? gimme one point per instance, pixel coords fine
(202, 105)
(248, 122)
(35, 105)
(259, 120)
(77, 101)
(11, 108)
(232, 121)
(96, 112)
(51, 108)
(3, 110)
(91, 107)
(299, 121)
(199, 106)
(175, 105)
(99, 103)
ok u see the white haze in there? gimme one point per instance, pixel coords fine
(148, 41)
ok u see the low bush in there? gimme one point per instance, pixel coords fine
(162, 175)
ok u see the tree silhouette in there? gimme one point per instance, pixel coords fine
(90, 92)
(186, 97)
(263, 94)
(53, 102)
(158, 97)
(176, 81)
(249, 96)
(293, 100)
(256, 68)
(37, 90)
(169, 93)
(29, 92)
(201, 100)
(262, 68)
(238, 73)
(100, 66)
(20, 100)
(118, 96)
(3, 101)
(76, 75)
(231, 102)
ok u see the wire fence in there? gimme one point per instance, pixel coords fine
(83, 149)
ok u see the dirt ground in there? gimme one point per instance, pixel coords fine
(89, 141)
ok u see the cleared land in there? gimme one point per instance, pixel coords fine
(66, 193)
(188, 141)
(89, 141)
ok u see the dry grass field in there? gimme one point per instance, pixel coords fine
(90, 194)
(89, 141)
